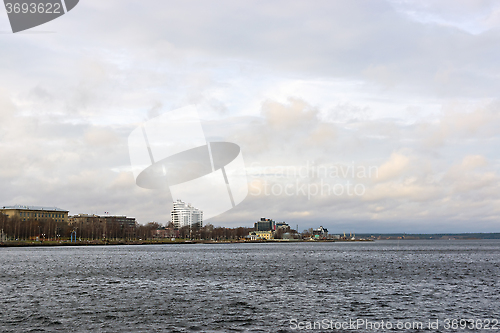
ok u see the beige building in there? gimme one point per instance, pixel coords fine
(25, 213)
(257, 235)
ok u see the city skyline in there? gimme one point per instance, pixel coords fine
(394, 102)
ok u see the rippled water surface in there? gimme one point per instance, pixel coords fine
(246, 287)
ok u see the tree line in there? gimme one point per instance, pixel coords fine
(45, 228)
(206, 232)
(94, 229)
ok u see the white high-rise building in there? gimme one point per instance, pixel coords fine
(186, 215)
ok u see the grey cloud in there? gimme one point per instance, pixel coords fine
(358, 39)
(364, 40)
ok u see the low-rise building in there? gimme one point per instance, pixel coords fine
(75, 220)
(289, 236)
(261, 235)
(320, 233)
(25, 213)
(120, 220)
(103, 226)
(282, 225)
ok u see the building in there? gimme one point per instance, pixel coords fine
(104, 226)
(78, 219)
(282, 225)
(289, 236)
(320, 232)
(120, 220)
(264, 225)
(260, 235)
(25, 213)
(185, 215)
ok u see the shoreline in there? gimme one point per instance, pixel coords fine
(65, 243)
(114, 243)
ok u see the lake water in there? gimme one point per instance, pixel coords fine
(251, 287)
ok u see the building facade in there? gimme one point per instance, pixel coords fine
(103, 226)
(185, 215)
(264, 225)
(261, 235)
(25, 213)
(83, 219)
(282, 225)
(121, 220)
(320, 233)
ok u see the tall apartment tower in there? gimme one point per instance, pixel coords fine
(186, 215)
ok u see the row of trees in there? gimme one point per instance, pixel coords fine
(207, 232)
(96, 229)
(16, 229)
(48, 229)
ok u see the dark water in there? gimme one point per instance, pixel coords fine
(248, 287)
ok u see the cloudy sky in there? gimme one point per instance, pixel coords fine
(374, 116)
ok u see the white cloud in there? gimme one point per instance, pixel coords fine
(393, 168)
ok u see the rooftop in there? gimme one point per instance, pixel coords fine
(34, 208)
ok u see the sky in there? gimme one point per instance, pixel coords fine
(360, 116)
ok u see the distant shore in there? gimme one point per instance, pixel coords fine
(436, 236)
(64, 243)
(358, 238)
(164, 242)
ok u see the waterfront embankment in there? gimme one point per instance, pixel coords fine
(160, 242)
